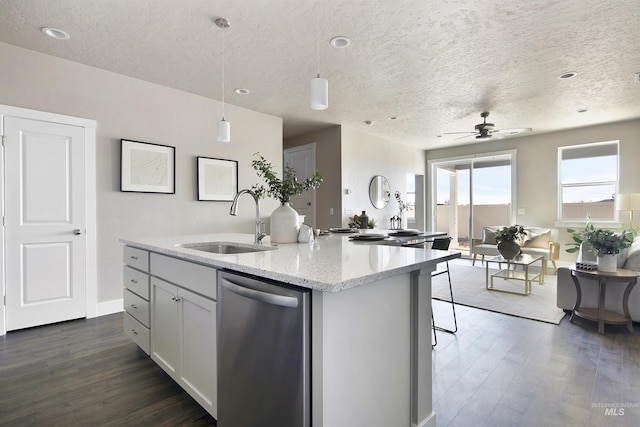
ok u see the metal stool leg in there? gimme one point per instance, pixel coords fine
(453, 308)
(433, 325)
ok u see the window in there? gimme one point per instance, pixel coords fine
(470, 193)
(588, 181)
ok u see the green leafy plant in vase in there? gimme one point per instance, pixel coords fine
(604, 244)
(508, 239)
(284, 220)
(282, 189)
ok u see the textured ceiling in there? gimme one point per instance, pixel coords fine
(434, 64)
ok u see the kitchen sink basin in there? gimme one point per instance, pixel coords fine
(226, 247)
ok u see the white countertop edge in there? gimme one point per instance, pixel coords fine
(218, 261)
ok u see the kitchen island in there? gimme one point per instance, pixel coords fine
(370, 318)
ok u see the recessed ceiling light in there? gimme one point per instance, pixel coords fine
(567, 75)
(242, 91)
(340, 42)
(56, 33)
(393, 117)
(582, 110)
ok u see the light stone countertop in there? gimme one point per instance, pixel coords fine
(330, 264)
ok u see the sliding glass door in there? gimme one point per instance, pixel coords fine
(469, 194)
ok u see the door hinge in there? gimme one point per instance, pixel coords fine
(4, 221)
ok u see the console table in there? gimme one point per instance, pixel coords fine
(599, 314)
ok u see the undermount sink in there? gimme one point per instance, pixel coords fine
(226, 247)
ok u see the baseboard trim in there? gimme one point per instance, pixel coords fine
(110, 307)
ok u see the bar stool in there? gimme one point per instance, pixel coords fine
(443, 244)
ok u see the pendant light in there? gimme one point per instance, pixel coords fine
(224, 127)
(319, 85)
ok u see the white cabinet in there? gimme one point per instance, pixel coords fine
(170, 309)
(136, 296)
(183, 339)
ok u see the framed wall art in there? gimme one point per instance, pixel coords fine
(147, 168)
(217, 179)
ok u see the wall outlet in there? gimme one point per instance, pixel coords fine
(520, 211)
(348, 211)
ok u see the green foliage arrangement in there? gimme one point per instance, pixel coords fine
(510, 234)
(600, 241)
(282, 189)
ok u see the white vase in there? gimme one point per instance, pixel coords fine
(284, 224)
(607, 263)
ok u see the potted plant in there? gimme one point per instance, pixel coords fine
(284, 220)
(398, 221)
(605, 244)
(507, 239)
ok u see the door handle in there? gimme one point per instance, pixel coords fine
(254, 294)
(77, 232)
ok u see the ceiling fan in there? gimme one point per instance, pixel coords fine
(486, 130)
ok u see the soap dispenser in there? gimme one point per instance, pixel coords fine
(364, 220)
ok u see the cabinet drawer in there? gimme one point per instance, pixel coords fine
(137, 307)
(136, 281)
(136, 258)
(195, 277)
(137, 332)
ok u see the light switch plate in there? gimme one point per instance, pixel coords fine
(520, 211)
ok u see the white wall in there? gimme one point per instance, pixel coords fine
(364, 156)
(133, 109)
(537, 160)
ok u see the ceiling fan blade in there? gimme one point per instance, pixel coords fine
(465, 136)
(453, 133)
(512, 131)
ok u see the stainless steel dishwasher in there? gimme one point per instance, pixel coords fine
(263, 353)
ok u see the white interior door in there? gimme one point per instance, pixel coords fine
(45, 243)
(303, 160)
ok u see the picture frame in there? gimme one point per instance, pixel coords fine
(217, 179)
(147, 167)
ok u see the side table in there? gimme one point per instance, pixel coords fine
(599, 314)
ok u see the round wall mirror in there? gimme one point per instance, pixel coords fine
(379, 192)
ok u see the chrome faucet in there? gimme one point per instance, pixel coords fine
(260, 234)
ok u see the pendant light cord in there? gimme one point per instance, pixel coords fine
(318, 35)
(224, 42)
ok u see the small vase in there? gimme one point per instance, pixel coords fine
(607, 263)
(403, 220)
(284, 224)
(508, 249)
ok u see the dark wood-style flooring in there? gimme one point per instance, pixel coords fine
(87, 373)
(497, 370)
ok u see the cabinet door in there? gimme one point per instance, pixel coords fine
(164, 326)
(198, 345)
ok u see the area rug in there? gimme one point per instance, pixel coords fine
(468, 285)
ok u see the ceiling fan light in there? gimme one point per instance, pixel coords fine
(319, 93)
(224, 131)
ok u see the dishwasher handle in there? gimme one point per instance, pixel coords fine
(266, 297)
